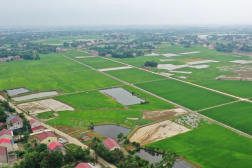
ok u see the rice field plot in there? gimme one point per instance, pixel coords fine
(134, 75)
(139, 61)
(210, 146)
(85, 117)
(237, 88)
(67, 82)
(99, 63)
(237, 115)
(75, 53)
(89, 100)
(154, 103)
(46, 65)
(189, 96)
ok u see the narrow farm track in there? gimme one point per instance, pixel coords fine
(69, 138)
(177, 105)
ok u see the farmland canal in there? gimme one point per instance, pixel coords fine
(122, 96)
(111, 131)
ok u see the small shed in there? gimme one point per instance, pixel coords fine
(86, 138)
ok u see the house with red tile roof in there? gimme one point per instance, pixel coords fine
(36, 125)
(6, 134)
(56, 146)
(84, 165)
(3, 155)
(111, 144)
(6, 143)
(15, 123)
(38, 128)
(46, 138)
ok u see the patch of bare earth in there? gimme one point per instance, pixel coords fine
(159, 115)
(55, 105)
(157, 131)
(33, 107)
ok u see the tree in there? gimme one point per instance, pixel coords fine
(52, 160)
(119, 136)
(37, 57)
(151, 64)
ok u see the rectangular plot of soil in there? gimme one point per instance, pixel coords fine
(55, 105)
(33, 107)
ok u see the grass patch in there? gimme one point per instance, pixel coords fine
(84, 118)
(189, 96)
(134, 75)
(90, 100)
(210, 146)
(237, 115)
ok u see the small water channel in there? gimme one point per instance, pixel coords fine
(122, 96)
(152, 157)
(111, 131)
(181, 164)
(13, 92)
(34, 96)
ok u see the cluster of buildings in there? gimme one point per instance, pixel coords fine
(10, 58)
(58, 49)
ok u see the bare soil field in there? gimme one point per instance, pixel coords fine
(159, 115)
(157, 131)
(55, 105)
(244, 72)
(33, 107)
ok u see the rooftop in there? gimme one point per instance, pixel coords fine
(111, 143)
(44, 135)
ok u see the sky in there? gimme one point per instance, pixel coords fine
(124, 12)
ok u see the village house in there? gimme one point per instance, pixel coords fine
(36, 125)
(58, 49)
(56, 146)
(6, 134)
(1, 125)
(84, 165)
(79, 47)
(46, 138)
(64, 50)
(3, 155)
(8, 50)
(14, 123)
(6, 143)
(111, 144)
(16, 57)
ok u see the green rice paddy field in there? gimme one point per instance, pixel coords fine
(237, 88)
(83, 118)
(134, 75)
(99, 63)
(52, 72)
(211, 146)
(186, 95)
(237, 115)
(89, 100)
(67, 82)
